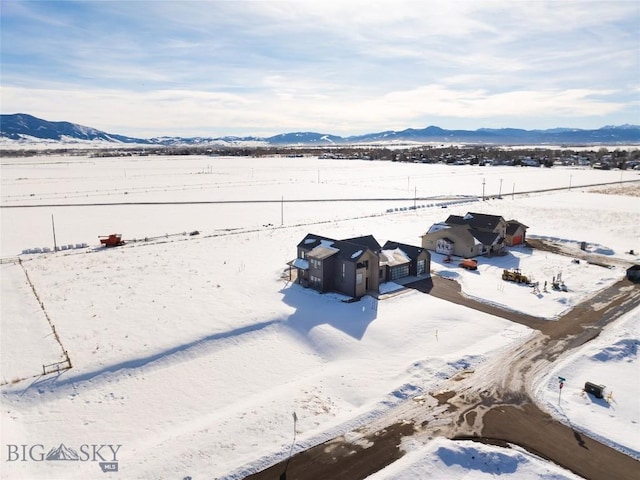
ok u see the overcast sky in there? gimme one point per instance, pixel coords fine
(343, 67)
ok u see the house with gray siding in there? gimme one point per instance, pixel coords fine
(348, 266)
(355, 266)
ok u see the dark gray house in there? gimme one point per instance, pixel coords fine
(348, 266)
(355, 266)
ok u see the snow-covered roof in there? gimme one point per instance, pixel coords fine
(394, 257)
(436, 227)
(323, 251)
(301, 263)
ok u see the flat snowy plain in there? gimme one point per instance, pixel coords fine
(193, 351)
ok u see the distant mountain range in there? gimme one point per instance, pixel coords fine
(25, 128)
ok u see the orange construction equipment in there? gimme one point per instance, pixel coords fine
(113, 240)
(469, 264)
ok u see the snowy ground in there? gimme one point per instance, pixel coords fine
(192, 351)
(486, 284)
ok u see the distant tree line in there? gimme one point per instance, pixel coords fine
(459, 155)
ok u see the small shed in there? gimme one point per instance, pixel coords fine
(633, 273)
(595, 390)
(516, 233)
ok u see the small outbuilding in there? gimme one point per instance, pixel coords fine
(633, 273)
(516, 233)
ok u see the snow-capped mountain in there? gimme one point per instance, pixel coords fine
(27, 128)
(20, 125)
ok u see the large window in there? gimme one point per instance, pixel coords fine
(421, 266)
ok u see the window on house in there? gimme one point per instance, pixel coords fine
(344, 270)
(359, 278)
(421, 266)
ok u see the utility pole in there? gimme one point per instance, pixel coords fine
(415, 196)
(513, 192)
(282, 211)
(53, 225)
(500, 192)
(483, 189)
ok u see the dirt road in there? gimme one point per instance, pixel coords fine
(480, 406)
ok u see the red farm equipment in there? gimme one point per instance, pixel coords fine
(113, 240)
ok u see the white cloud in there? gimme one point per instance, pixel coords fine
(188, 112)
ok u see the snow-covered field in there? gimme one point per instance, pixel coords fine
(192, 352)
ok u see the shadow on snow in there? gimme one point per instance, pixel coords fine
(313, 309)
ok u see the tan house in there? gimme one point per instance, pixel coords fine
(467, 236)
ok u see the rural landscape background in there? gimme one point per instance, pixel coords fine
(214, 136)
(192, 352)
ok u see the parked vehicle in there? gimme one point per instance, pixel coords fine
(469, 264)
